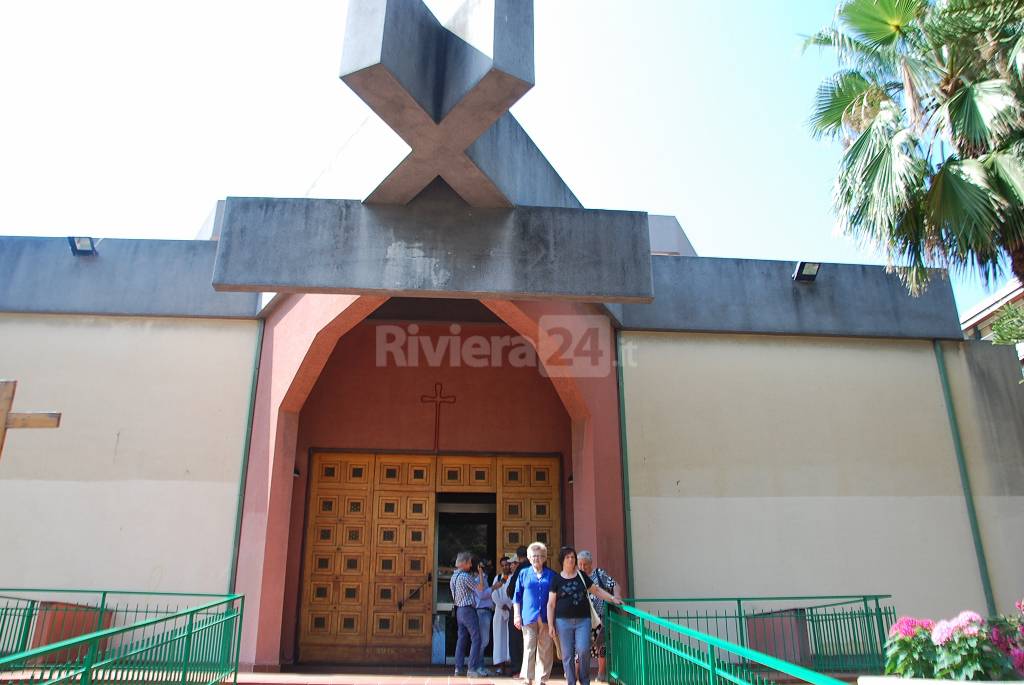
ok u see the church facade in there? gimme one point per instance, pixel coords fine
(324, 400)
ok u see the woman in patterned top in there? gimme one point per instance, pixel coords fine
(569, 616)
(608, 584)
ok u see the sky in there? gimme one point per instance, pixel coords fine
(132, 118)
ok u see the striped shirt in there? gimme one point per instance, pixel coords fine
(463, 589)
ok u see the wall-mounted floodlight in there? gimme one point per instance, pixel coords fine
(82, 245)
(806, 271)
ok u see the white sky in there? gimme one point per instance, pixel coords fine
(131, 119)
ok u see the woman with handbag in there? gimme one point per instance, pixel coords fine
(598, 648)
(571, 616)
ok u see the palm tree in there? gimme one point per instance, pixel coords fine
(928, 103)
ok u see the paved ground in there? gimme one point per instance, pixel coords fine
(384, 676)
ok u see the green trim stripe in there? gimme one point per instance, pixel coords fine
(624, 450)
(965, 480)
(244, 471)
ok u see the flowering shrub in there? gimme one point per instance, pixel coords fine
(963, 648)
(909, 651)
(1007, 634)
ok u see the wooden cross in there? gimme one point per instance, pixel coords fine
(438, 399)
(9, 419)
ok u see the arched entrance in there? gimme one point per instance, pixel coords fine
(324, 389)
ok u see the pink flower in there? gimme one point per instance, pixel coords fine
(998, 639)
(943, 632)
(970, 630)
(1020, 605)
(1017, 657)
(966, 618)
(907, 626)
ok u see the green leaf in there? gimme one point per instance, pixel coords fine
(852, 52)
(848, 99)
(980, 113)
(1016, 56)
(962, 205)
(1008, 326)
(880, 23)
(1007, 171)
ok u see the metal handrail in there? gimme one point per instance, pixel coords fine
(110, 632)
(712, 665)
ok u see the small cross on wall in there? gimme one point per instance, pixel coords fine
(438, 399)
(9, 419)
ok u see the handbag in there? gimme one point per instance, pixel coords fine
(595, 618)
(558, 645)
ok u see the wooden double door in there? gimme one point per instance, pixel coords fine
(370, 552)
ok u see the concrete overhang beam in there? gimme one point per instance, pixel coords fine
(437, 246)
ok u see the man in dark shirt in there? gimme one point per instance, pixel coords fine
(515, 636)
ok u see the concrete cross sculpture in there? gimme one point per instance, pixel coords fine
(438, 92)
(9, 419)
(475, 210)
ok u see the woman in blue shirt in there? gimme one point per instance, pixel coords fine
(531, 600)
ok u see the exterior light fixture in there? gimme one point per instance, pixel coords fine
(82, 245)
(806, 271)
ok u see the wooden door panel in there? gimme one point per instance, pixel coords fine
(466, 474)
(370, 544)
(336, 559)
(529, 503)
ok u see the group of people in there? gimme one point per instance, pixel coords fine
(527, 609)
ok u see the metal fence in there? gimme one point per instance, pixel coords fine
(644, 649)
(831, 633)
(55, 636)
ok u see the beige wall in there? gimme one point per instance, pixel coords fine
(138, 487)
(989, 402)
(771, 465)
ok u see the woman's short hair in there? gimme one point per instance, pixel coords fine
(584, 554)
(537, 547)
(564, 552)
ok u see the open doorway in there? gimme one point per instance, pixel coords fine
(465, 521)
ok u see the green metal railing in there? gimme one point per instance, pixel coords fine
(644, 649)
(55, 636)
(832, 633)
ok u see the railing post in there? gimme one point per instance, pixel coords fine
(712, 670)
(103, 606)
(26, 627)
(881, 634)
(238, 639)
(742, 622)
(643, 650)
(90, 658)
(188, 648)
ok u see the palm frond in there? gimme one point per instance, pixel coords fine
(847, 101)
(880, 176)
(979, 114)
(1006, 171)
(1016, 56)
(852, 53)
(880, 23)
(963, 207)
